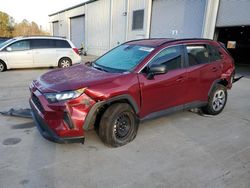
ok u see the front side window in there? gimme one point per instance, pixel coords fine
(197, 54)
(171, 57)
(138, 19)
(123, 58)
(20, 45)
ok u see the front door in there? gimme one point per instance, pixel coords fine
(19, 54)
(166, 90)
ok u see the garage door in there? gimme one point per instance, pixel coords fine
(55, 28)
(233, 13)
(177, 19)
(77, 30)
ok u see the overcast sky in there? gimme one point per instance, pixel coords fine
(35, 10)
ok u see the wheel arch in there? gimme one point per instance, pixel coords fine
(223, 82)
(101, 106)
(5, 64)
(64, 57)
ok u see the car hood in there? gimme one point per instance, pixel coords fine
(72, 78)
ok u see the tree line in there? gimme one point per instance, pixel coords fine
(9, 28)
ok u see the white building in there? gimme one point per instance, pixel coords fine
(103, 24)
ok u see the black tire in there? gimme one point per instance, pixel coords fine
(118, 125)
(2, 66)
(64, 62)
(216, 101)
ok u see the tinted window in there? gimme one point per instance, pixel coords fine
(214, 53)
(197, 54)
(138, 19)
(171, 57)
(123, 58)
(42, 43)
(62, 44)
(49, 43)
(20, 45)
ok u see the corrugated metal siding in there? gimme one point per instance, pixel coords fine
(233, 13)
(119, 21)
(55, 26)
(77, 30)
(98, 27)
(177, 19)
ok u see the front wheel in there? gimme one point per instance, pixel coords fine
(2, 67)
(64, 62)
(217, 100)
(118, 125)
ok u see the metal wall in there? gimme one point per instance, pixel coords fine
(108, 23)
(55, 26)
(177, 19)
(233, 13)
(77, 30)
(98, 27)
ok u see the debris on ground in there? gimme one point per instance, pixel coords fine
(25, 113)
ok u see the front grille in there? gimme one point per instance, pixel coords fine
(37, 102)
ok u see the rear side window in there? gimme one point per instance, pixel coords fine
(20, 45)
(197, 54)
(171, 57)
(42, 43)
(62, 44)
(49, 43)
(214, 53)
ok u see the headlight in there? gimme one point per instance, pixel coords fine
(56, 97)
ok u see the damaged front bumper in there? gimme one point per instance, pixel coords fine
(60, 122)
(47, 133)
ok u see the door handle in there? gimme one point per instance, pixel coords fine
(214, 69)
(180, 79)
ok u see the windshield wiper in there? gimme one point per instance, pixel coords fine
(98, 67)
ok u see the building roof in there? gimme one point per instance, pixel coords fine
(64, 10)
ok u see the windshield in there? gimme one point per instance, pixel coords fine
(123, 58)
(6, 42)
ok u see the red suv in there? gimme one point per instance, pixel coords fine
(137, 80)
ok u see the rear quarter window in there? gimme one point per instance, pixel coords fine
(214, 53)
(62, 44)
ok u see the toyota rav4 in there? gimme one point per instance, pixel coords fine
(137, 80)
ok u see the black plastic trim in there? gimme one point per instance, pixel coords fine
(188, 106)
(92, 113)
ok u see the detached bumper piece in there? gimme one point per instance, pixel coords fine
(47, 133)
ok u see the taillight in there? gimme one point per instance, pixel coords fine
(76, 51)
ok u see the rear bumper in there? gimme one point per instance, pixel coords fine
(47, 133)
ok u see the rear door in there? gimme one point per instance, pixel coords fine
(44, 52)
(165, 90)
(19, 54)
(201, 71)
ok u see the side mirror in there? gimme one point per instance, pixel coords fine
(9, 49)
(155, 70)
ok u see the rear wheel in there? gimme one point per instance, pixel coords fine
(217, 100)
(118, 125)
(64, 62)
(2, 66)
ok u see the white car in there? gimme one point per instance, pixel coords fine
(27, 52)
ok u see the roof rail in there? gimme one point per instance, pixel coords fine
(186, 39)
(42, 36)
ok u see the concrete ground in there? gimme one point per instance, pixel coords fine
(182, 150)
